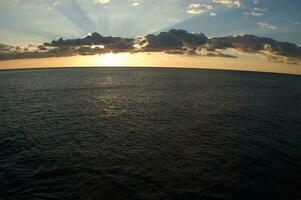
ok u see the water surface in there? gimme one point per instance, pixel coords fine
(123, 133)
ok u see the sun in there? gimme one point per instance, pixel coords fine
(111, 59)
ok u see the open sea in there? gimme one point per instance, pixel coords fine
(149, 134)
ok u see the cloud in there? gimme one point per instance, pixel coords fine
(266, 25)
(5, 48)
(254, 44)
(102, 1)
(196, 9)
(228, 3)
(55, 4)
(259, 9)
(135, 2)
(203, 51)
(95, 40)
(257, 12)
(174, 39)
(171, 42)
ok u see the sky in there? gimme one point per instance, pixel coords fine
(37, 21)
(244, 62)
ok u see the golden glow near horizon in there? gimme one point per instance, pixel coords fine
(111, 59)
(247, 62)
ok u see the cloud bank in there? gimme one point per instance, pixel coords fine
(171, 42)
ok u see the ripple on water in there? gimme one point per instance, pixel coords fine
(122, 133)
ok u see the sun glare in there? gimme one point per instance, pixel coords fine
(111, 59)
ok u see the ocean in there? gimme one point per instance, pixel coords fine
(149, 134)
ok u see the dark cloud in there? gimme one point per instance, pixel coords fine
(5, 48)
(171, 42)
(251, 43)
(110, 43)
(174, 39)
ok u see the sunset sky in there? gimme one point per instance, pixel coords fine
(36, 21)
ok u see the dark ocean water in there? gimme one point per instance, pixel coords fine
(123, 133)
